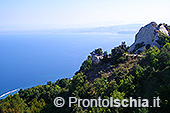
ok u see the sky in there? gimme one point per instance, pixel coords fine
(33, 14)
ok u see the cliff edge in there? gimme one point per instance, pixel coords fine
(148, 36)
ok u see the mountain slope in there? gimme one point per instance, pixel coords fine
(118, 75)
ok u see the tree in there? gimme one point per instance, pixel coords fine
(86, 65)
(105, 57)
(100, 85)
(98, 52)
(13, 104)
(117, 54)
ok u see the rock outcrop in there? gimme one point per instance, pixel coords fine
(147, 37)
(96, 59)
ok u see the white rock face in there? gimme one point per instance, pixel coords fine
(163, 30)
(147, 35)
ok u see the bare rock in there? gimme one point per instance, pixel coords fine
(163, 30)
(147, 36)
(96, 59)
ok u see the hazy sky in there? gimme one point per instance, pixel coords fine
(73, 13)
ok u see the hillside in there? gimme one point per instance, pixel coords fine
(119, 75)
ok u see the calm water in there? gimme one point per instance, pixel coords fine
(28, 60)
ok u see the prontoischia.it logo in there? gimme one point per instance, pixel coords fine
(59, 102)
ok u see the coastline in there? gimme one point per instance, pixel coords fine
(9, 92)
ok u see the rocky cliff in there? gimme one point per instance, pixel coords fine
(148, 36)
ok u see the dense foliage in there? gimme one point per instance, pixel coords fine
(118, 75)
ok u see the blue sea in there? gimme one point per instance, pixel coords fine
(32, 59)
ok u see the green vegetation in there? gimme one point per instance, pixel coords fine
(163, 39)
(119, 75)
(97, 52)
